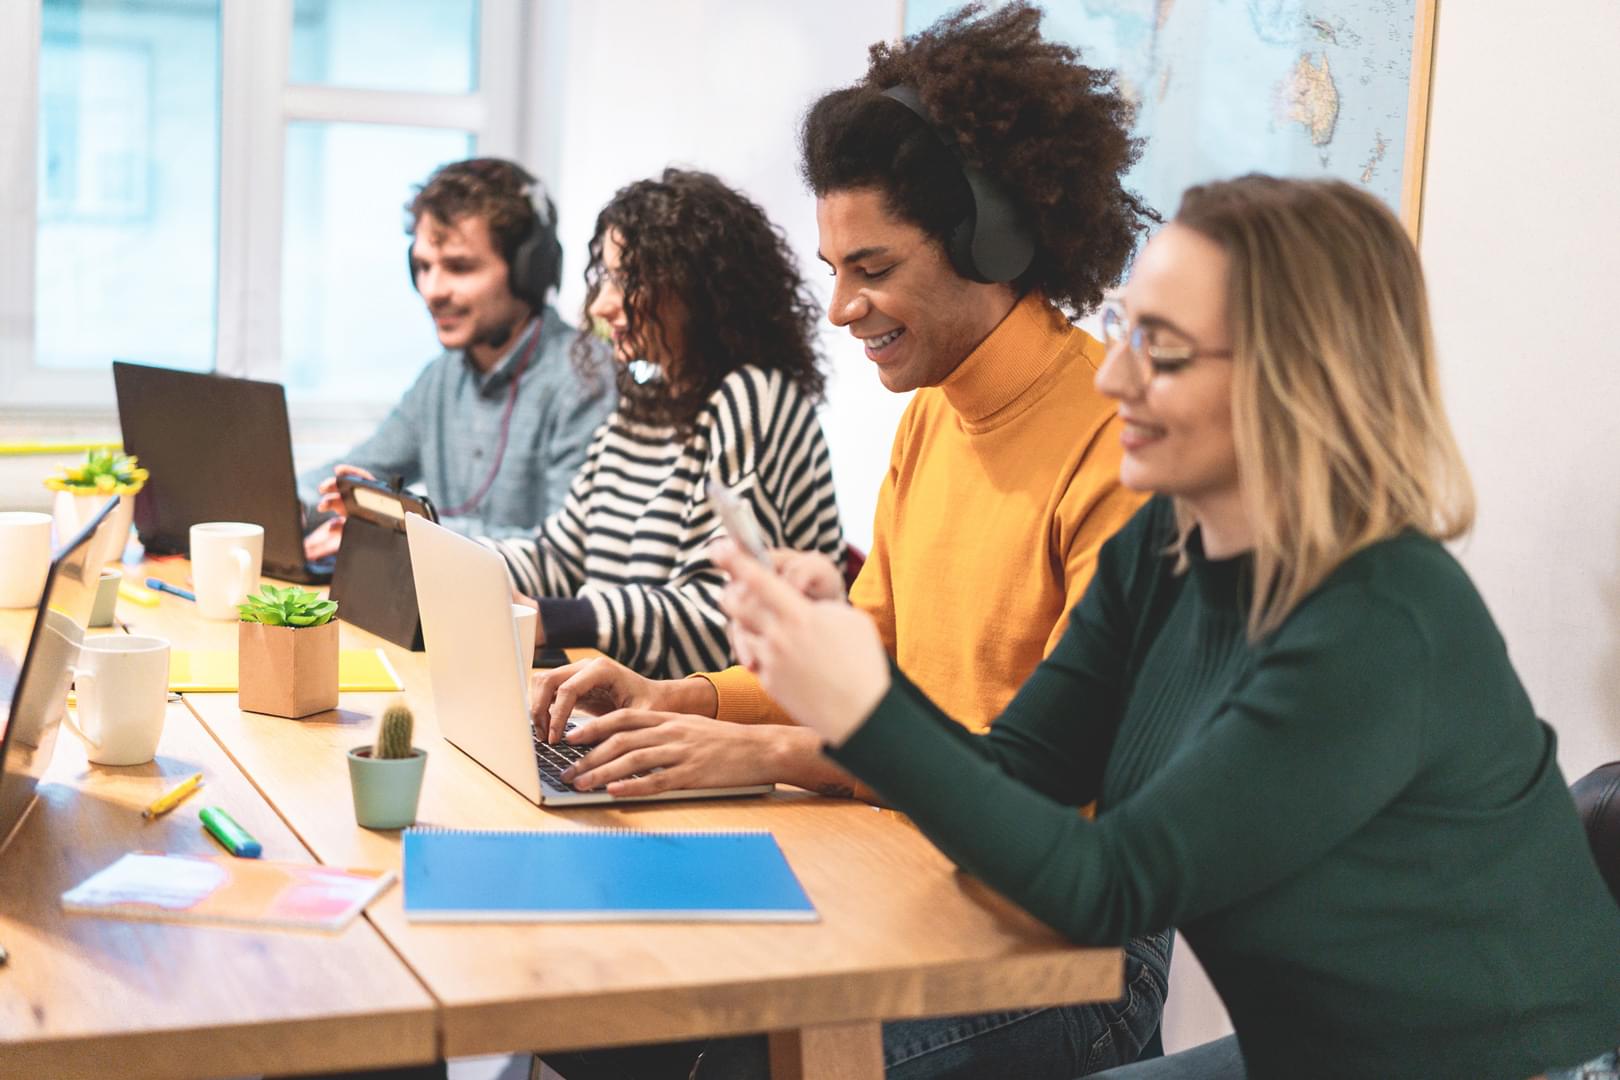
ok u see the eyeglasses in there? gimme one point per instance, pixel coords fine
(1156, 349)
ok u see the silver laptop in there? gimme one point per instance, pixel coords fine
(38, 648)
(480, 684)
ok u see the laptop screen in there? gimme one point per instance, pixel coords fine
(219, 449)
(38, 647)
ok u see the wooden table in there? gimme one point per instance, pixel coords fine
(901, 934)
(90, 997)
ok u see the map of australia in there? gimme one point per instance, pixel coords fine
(1311, 98)
(1223, 87)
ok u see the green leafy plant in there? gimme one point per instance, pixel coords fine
(287, 606)
(394, 732)
(104, 472)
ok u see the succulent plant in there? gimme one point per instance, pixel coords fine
(104, 472)
(394, 732)
(287, 606)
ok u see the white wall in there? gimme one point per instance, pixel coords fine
(1521, 244)
(632, 87)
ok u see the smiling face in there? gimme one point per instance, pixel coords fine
(609, 308)
(895, 289)
(1178, 416)
(463, 280)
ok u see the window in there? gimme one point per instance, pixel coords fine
(128, 185)
(219, 184)
(352, 326)
(420, 46)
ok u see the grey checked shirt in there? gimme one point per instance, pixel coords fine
(443, 435)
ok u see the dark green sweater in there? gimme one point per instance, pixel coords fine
(1358, 824)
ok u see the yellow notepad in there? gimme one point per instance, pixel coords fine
(213, 671)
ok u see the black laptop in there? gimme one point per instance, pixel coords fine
(218, 449)
(38, 648)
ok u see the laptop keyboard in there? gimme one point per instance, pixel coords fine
(553, 758)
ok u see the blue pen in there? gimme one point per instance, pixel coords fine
(173, 590)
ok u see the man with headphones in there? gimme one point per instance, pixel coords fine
(969, 197)
(495, 428)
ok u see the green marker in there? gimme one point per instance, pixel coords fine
(222, 827)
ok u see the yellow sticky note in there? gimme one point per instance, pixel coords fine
(128, 590)
(213, 671)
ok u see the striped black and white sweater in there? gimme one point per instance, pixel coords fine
(623, 565)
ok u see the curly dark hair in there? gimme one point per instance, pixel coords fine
(491, 188)
(1023, 110)
(689, 239)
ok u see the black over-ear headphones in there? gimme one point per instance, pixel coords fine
(534, 266)
(992, 243)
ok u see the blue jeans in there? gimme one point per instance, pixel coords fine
(1217, 1060)
(1060, 1042)
(1602, 1067)
(1222, 1060)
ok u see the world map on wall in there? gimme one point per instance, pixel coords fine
(1224, 87)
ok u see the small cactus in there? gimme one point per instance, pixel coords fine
(394, 732)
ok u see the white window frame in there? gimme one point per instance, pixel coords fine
(257, 102)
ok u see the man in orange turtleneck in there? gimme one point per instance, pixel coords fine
(1003, 479)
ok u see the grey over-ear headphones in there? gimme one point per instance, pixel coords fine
(534, 266)
(992, 243)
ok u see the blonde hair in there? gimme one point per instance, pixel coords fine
(1340, 434)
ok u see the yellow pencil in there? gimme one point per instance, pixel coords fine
(173, 797)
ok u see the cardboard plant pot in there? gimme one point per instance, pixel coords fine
(287, 671)
(386, 790)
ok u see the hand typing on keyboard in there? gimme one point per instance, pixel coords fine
(557, 760)
(639, 752)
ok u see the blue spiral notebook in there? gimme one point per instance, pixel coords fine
(610, 875)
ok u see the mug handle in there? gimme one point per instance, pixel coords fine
(82, 681)
(244, 570)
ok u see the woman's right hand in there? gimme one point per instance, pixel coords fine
(812, 573)
(822, 660)
(601, 686)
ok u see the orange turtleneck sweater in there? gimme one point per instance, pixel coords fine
(1003, 484)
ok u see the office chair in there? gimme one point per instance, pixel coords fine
(1597, 798)
(854, 559)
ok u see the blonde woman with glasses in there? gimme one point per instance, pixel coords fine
(1307, 744)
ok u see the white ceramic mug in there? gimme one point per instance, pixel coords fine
(121, 684)
(106, 605)
(226, 557)
(25, 557)
(525, 621)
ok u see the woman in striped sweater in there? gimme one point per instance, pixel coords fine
(714, 333)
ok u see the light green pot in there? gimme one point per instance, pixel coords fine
(385, 789)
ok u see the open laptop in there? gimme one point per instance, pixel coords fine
(480, 687)
(38, 648)
(218, 449)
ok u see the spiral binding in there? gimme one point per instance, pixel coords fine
(438, 830)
